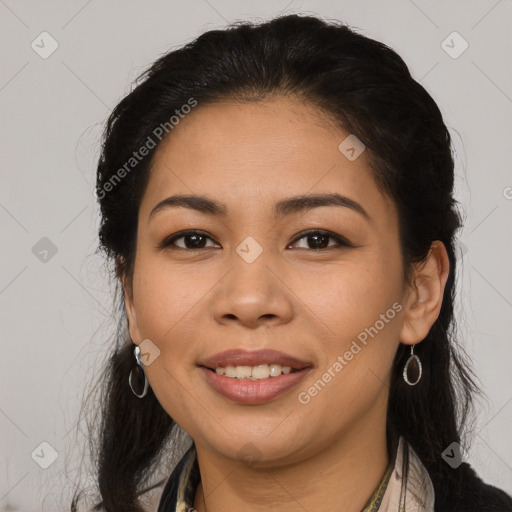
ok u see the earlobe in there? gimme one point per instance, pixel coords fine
(131, 314)
(129, 306)
(426, 296)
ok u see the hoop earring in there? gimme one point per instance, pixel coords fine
(413, 364)
(141, 376)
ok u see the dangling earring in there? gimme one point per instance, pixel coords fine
(142, 381)
(412, 366)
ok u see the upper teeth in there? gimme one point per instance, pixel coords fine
(261, 371)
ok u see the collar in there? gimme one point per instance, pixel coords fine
(405, 487)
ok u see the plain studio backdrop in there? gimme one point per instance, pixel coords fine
(65, 65)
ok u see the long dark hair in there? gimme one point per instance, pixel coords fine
(368, 89)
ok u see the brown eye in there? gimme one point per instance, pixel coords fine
(315, 239)
(319, 240)
(191, 240)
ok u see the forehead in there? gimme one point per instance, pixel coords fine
(255, 153)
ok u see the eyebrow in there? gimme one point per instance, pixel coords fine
(283, 208)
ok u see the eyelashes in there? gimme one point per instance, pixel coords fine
(317, 234)
(170, 241)
(314, 236)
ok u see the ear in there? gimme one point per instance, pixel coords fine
(127, 287)
(425, 297)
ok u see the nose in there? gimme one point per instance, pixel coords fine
(253, 294)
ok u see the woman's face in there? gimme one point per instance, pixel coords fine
(253, 280)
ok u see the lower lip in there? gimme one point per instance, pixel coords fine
(253, 391)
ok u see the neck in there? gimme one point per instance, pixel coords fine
(342, 476)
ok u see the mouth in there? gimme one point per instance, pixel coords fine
(253, 377)
(255, 365)
(258, 372)
(255, 391)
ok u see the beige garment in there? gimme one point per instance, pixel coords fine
(409, 488)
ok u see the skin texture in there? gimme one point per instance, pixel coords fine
(330, 453)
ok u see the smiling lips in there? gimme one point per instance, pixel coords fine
(253, 377)
(237, 357)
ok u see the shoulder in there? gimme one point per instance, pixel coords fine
(473, 495)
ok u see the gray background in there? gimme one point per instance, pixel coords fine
(56, 308)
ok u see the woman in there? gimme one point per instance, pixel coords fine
(278, 202)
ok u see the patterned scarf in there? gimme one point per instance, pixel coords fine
(405, 486)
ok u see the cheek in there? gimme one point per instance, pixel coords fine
(352, 294)
(360, 305)
(169, 303)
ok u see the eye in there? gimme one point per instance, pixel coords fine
(192, 240)
(318, 238)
